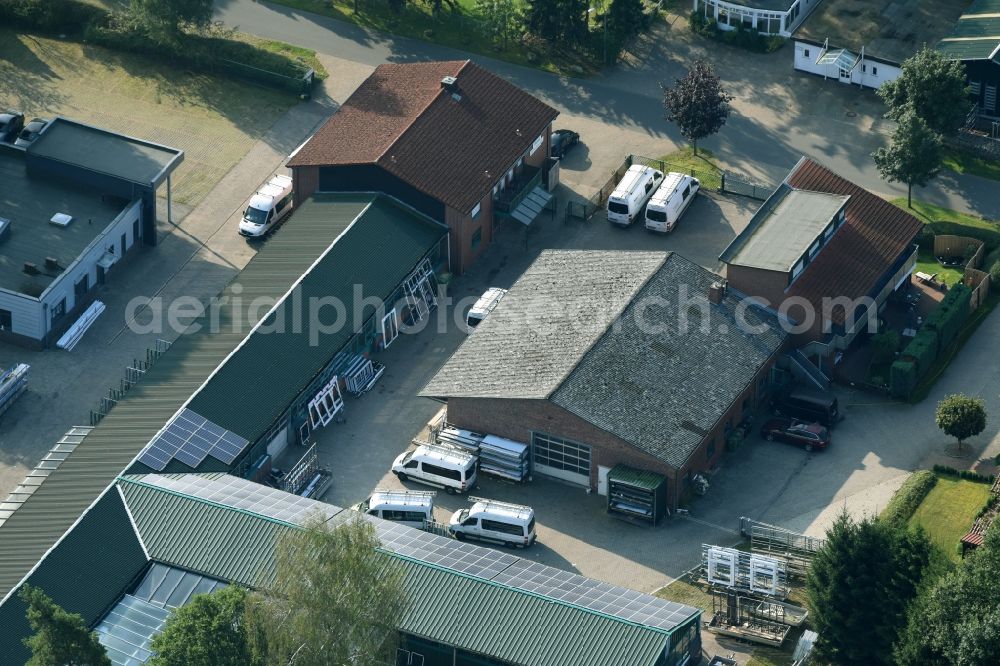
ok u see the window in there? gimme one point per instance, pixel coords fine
(390, 328)
(814, 249)
(476, 209)
(805, 53)
(506, 528)
(59, 310)
(443, 472)
(649, 186)
(326, 404)
(537, 144)
(874, 71)
(81, 288)
(686, 193)
(845, 74)
(864, 67)
(974, 88)
(828, 232)
(411, 516)
(477, 237)
(5, 320)
(796, 269)
(561, 454)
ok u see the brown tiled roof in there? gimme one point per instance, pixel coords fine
(859, 254)
(403, 120)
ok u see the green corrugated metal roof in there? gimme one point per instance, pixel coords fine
(520, 627)
(984, 7)
(86, 573)
(636, 477)
(270, 370)
(110, 447)
(449, 607)
(968, 49)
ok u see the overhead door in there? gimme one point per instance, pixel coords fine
(561, 458)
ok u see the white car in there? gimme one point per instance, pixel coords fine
(490, 520)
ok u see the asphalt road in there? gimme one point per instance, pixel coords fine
(764, 138)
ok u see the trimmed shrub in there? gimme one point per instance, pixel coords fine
(922, 350)
(909, 496)
(884, 346)
(902, 378)
(746, 38)
(69, 17)
(950, 315)
(966, 474)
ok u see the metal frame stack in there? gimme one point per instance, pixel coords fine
(307, 478)
(504, 458)
(744, 572)
(460, 439)
(360, 375)
(13, 383)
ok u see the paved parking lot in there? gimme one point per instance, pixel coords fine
(574, 531)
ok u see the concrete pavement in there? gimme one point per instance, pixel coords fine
(780, 114)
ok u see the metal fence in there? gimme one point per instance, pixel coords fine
(721, 181)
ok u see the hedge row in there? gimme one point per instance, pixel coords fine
(937, 332)
(909, 496)
(214, 51)
(746, 38)
(968, 475)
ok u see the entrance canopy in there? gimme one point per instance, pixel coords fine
(532, 206)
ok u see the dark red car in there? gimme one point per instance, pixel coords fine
(810, 436)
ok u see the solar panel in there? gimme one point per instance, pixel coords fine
(190, 438)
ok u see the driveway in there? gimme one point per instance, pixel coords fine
(780, 114)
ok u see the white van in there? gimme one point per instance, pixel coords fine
(510, 524)
(485, 305)
(441, 466)
(267, 207)
(632, 193)
(670, 201)
(409, 507)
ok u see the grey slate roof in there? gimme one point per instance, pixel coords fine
(642, 377)
(547, 321)
(663, 391)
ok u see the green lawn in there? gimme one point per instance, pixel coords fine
(947, 221)
(458, 26)
(702, 165)
(948, 511)
(926, 263)
(962, 162)
(685, 591)
(306, 56)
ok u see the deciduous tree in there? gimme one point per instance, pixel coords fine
(961, 416)
(558, 20)
(501, 18)
(697, 103)
(859, 585)
(913, 156)
(164, 17)
(626, 18)
(334, 599)
(933, 87)
(60, 638)
(956, 620)
(210, 630)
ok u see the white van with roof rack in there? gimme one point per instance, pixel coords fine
(482, 307)
(631, 194)
(441, 466)
(409, 507)
(670, 201)
(510, 524)
(267, 207)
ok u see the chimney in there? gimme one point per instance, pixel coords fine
(716, 292)
(30, 268)
(449, 83)
(51, 263)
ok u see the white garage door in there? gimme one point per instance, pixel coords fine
(561, 458)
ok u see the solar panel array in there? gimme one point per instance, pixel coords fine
(190, 438)
(483, 563)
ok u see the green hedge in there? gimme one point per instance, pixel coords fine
(950, 315)
(909, 496)
(902, 378)
(923, 349)
(70, 17)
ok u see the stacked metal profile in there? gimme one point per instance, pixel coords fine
(13, 383)
(497, 456)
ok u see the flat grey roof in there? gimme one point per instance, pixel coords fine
(786, 231)
(29, 203)
(769, 5)
(537, 334)
(141, 162)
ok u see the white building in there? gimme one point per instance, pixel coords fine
(768, 17)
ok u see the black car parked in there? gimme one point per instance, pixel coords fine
(561, 141)
(11, 124)
(812, 405)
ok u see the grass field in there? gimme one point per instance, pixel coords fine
(926, 263)
(961, 162)
(702, 165)
(947, 221)
(948, 511)
(214, 121)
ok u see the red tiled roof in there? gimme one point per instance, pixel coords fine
(973, 539)
(403, 120)
(859, 254)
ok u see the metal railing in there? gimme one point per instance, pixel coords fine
(512, 196)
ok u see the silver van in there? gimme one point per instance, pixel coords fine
(440, 466)
(510, 524)
(409, 507)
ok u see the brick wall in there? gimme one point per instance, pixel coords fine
(305, 181)
(463, 227)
